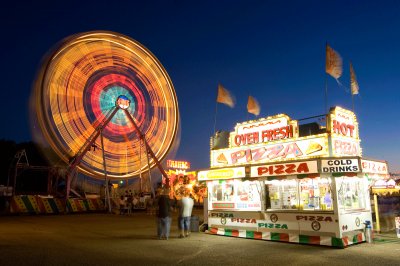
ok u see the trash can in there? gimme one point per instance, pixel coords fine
(368, 232)
(194, 223)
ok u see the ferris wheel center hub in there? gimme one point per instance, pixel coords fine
(123, 102)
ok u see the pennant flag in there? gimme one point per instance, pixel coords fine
(333, 64)
(225, 97)
(353, 81)
(252, 106)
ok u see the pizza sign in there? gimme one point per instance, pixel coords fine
(285, 169)
(346, 147)
(262, 153)
(374, 167)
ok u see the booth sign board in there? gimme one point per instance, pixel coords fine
(340, 166)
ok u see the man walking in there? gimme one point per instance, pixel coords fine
(185, 213)
(163, 215)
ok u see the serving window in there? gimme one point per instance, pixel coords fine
(299, 194)
(352, 193)
(234, 194)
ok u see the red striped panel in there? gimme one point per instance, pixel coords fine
(345, 241)
(284, 237)
(315, 240)
(213, 230)
(257, 235)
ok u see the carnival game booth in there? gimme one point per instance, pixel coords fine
(385, 192)
(280, 181)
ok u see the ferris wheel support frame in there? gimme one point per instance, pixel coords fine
(107, 190)
(82, 152)
(148, 149)
(89, 143)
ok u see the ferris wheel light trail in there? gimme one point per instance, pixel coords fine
(105, 79)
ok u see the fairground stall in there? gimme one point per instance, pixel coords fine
(276, 180)
(385, 193)
(181, 179)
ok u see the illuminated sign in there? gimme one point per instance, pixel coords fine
(226, 205)
(123, 102)
(264, 130)
(343, 122)
(285, 169)
(242, 205)
(225, 173)
(178, 164)
(263, 153)
(340, 166)
(374, 167)
(381, 183)
(346, 147)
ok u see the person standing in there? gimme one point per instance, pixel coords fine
(163, 215)
(122, 205)
(185, 214)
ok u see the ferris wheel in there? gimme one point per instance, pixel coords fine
(106, 106)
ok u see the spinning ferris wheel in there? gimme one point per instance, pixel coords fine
(106, 106)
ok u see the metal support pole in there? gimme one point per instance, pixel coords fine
(15, 180)
(148, 165)
(107, 194)
(140, 164)
(148, 149)
(378, 224)
(78, 158)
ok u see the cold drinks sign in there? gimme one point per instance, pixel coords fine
(340, 166)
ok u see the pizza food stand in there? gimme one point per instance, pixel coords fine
(273, 183)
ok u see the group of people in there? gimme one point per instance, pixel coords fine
(185, 207)
(131, 201)
(389, 208)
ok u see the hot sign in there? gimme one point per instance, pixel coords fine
(343, 123)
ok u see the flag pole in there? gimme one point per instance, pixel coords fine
(216, 109)
(326, 93)
(247, 113)
(352, 100)
(326, 80)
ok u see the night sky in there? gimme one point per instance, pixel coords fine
(273, 50)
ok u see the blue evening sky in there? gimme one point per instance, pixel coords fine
(274, 50)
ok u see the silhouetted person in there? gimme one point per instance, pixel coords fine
(163, 215)
(185, 214)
